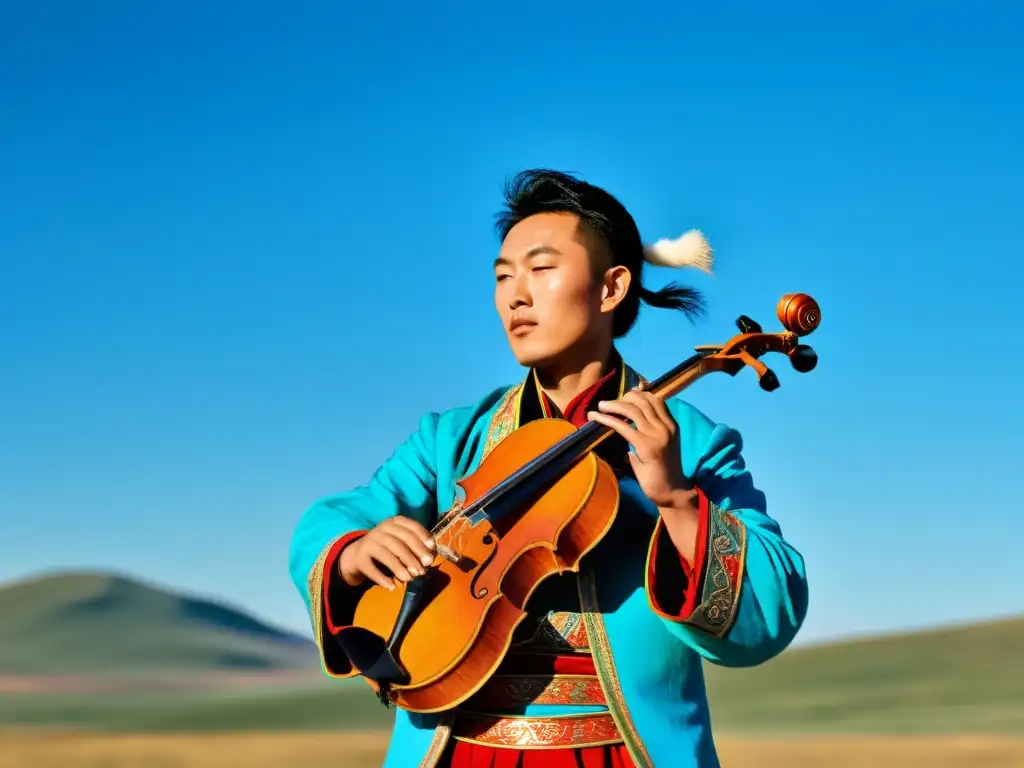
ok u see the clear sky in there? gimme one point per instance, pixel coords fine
(244, 246)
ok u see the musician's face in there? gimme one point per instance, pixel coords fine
(554, 296)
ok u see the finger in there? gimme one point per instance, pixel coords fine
(632, 436)
(660, 408)
(374, 574)
(627, 410)
(398, 547)
(383, 555)
(414, 542)
(645, 402)
(409, 524)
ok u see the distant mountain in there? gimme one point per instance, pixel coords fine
(100, 624)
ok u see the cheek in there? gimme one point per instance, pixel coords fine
(567, 295)
(501, 299)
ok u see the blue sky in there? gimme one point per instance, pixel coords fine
(244, 248)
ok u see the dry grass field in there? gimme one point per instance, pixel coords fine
(150, 689)
(365, 750)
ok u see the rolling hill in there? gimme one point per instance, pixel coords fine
(954, 679)
(98, 624)
(961, 679)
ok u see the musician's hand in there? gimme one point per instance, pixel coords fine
(656, 456)
(400, 544)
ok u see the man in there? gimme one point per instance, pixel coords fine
(607, 670)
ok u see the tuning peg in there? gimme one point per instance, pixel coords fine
(747, 325)
(803, 358)
(768, 380)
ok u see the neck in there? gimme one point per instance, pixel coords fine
(565, 378)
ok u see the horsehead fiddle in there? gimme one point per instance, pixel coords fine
(538, 502)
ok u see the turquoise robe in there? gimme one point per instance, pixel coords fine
(753, 600)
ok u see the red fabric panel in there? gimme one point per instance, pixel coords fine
(338, 596)
(674, 584)
(461, 754)
(530, 664)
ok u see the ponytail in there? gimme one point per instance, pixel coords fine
(689, 301)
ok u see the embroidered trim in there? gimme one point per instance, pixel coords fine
(564, 629)
(315, 587)
(555, 732)
(505, 419)
(723, 580)
(519, 690)
(557, 632)
(604, 663)
(439, 742)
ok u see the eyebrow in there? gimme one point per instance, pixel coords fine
(537, 250)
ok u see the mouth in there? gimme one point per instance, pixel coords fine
(519, 327)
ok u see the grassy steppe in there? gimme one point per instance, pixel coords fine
(963, 680)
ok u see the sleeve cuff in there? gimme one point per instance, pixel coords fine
(332, 602)
(672, 582)
(339, 603)
(704, 594)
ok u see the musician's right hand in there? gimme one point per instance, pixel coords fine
(399, 543)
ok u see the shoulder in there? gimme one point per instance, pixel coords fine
(700, 432)
(689, 417)
(709, 448)
(466, 414)
(464, 418)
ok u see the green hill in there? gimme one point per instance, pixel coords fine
(966, 679)
(962, 679)
(90, 624)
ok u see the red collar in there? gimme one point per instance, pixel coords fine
(576, 410)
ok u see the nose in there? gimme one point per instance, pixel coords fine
(520, 296)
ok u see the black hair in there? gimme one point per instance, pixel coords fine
(603, 217)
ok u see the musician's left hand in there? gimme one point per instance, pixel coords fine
(656, 456)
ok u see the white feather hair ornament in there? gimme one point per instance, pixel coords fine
(689, 250)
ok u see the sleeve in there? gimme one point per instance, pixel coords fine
(339, 598)
(673, 584)
(405, 484)
(749, 595)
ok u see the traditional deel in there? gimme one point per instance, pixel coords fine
(608, 665)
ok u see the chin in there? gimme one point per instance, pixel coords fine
(530, 353)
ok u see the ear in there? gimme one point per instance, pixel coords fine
(614, 287)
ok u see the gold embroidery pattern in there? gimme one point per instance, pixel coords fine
(567, 731)
(439, 742)
(558, 632)
(722, 586)
(604, 662)
(504, 420)
(502, 691)
(315, 587)
(567, 627)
